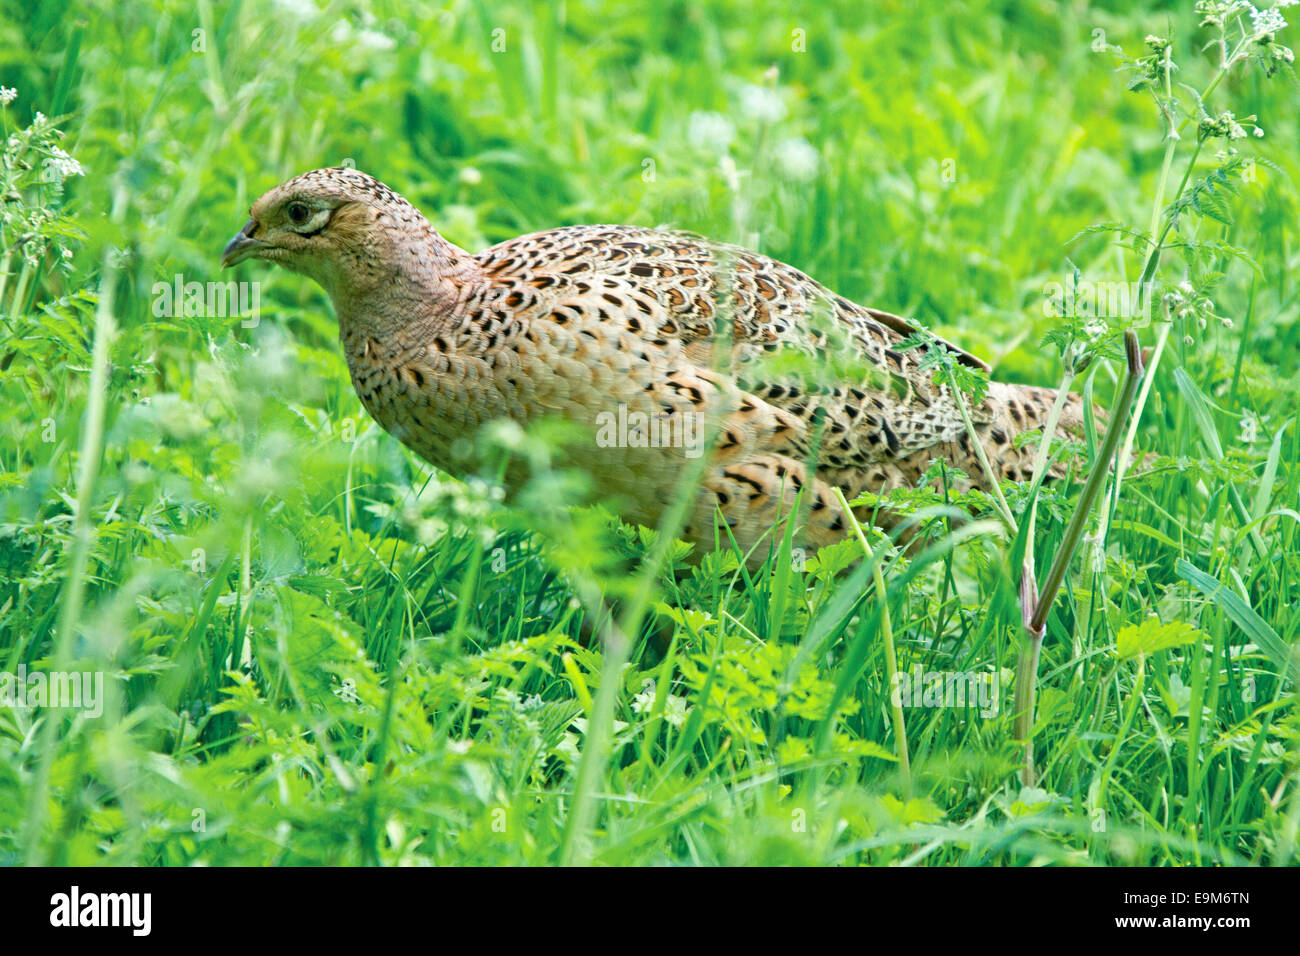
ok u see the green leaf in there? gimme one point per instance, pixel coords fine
(1264, 493)
(1152, 635)
(1240, 613)
(1196, 404)
(914, 811)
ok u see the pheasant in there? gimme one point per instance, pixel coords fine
(660, 347)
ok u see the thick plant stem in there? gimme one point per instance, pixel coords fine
(1027, 665)
(1037, 609)
(1026, 692)
(891, 656)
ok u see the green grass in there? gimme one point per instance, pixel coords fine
(317, 650)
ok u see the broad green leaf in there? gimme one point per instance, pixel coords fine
(1152, 635)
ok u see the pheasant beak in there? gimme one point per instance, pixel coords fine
(242, 246)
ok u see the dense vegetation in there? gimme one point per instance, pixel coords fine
(316, 649)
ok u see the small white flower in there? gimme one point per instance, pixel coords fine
(1266, 21)
(1249, 429)
(712, 132)
(343, 33)
(796, 159)
(1259, 132)
(64, 165)
(298, 8)
(374, 40)
(762, 103)
(7, 95)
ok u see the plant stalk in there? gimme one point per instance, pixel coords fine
(1036, 610)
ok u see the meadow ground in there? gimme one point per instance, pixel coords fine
(314, 649)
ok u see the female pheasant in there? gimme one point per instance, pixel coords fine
(661, 347)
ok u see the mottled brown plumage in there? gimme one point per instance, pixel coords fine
(641, 338)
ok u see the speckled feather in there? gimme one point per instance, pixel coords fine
(578, 321)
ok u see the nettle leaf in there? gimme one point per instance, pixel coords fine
(1153, 635)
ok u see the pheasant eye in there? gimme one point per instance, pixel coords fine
(298, 212)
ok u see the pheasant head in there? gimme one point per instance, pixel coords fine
(373, 253)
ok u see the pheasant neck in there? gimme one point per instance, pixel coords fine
(422, 294)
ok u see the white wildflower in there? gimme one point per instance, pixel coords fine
(374, 40)
(304, 9)
(712, 132)
(1266, 21)
(796, 159)
(344, 33)
(7, 95)
(62, 164)
(1249, 429)
(762, 103)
